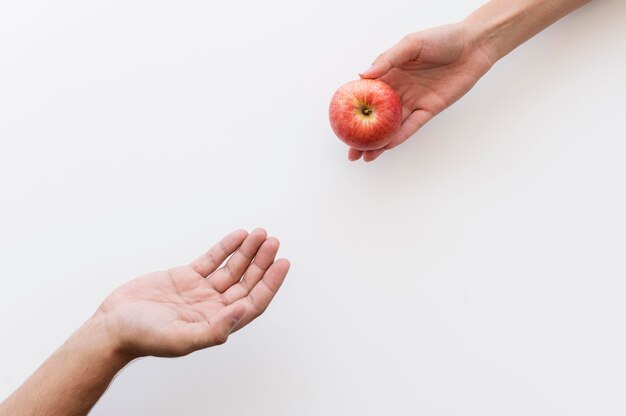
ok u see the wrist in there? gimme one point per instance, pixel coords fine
(94, 339)
(491, 32)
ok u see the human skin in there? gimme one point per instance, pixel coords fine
(432, 69)
(167, 314)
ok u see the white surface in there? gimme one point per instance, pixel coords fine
(477, 270)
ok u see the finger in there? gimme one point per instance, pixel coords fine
(409, 127)
(262, 262)
(212, 259)
(406, 112)
(354, 154)
(224, 323)
(215, 332)
(371, 155)
(234, 268)
(263, 292)
(406, 50)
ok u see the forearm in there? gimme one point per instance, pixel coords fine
(72, 380)
(503, 25)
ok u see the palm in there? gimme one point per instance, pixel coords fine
(177, 311)
(429, 70)
(156, 308)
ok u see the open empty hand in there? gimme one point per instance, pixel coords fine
(429, 70)
(178, 311)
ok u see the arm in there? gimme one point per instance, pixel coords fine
(502, 25)
(73, 378)
(167, 314)
(432, 69)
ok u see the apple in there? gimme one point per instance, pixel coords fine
(365, 114)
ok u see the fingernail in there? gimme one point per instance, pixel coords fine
(368, 69)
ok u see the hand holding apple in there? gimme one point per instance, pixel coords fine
(429, 70)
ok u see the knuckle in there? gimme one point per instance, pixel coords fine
(220, 338)
(260, 309)
(256, 307)
(210, 257)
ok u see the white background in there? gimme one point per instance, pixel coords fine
(477, 270)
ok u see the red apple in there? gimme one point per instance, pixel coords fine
(365, 114)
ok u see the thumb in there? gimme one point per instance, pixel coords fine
(227, 324)
(405, 50)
